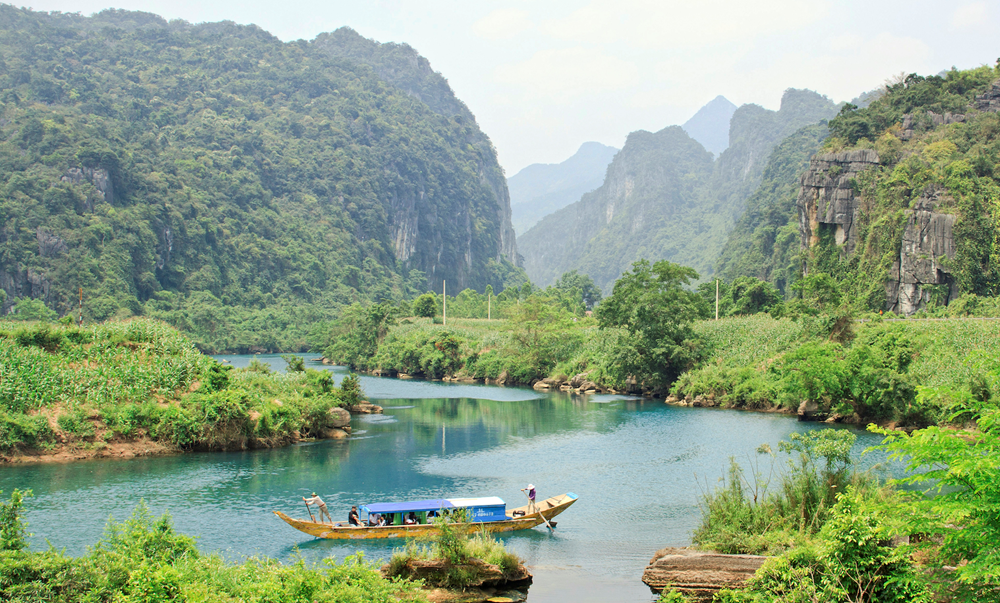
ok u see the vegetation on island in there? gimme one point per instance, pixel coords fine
(86, 388)
(144, 560)
(457, 557)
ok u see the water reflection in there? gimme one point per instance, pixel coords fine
(636, 466)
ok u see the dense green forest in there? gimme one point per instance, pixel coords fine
(233, 185)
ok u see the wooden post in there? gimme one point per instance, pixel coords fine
(716, 299)
(80, 321)
(489, 303)
(444, 302)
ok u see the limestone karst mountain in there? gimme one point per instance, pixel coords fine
(665, 198)
(710, 125)
(240, 187)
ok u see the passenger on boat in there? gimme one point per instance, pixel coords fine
(316, 500)
(353, 518)
(410, 519)
(376, 520)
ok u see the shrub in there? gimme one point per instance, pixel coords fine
(13, 530)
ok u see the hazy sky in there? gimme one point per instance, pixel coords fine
(544, 76)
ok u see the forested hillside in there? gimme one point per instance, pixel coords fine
(239, 187)
(765, 242)
(664, 197)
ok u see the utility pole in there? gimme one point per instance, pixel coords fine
(716, 299)
(489, 303)
(444, 301)
(80, 321)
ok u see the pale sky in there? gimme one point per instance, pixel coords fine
(544, 76)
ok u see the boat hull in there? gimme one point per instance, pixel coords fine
(548, 509)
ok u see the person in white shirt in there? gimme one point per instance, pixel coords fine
(316, 500)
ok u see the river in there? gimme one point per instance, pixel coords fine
(638, 467)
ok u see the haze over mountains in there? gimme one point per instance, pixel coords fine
(542, 188)
(710, 125)
(665, 197)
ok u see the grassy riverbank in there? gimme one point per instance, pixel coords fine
(916, 372)
(135, 386)
(908, 372)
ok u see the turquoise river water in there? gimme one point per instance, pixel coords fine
(638, 466)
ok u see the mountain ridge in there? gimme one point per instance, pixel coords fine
(657, 213)
(542, 188)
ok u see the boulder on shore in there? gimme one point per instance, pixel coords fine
(339, 417)
(700, 574)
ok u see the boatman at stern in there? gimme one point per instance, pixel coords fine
(316, 500)
(530, 490)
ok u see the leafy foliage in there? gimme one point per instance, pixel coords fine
(951, 93)
(958, 471)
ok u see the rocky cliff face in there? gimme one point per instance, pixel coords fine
(921, 267)
(927, 246)
(419, 242)
(828, 200)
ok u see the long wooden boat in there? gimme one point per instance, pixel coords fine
(488, 514)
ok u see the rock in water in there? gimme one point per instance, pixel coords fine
(699, 573)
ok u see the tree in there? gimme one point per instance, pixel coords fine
(351, 393)
(33, 309)
(960, 473)
(425, 306)
(582, 285)
(650, 302)
(820, 289)
(13, 530)
(751, 295)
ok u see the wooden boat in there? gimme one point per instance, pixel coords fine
(488, 514)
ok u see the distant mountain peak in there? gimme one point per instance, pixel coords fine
(543, 188)
(710, 125)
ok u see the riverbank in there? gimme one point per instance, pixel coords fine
(140, 388)
(909, 373)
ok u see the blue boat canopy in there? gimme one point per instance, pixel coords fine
(489, 508)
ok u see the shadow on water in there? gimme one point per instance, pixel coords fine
(636, 466)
